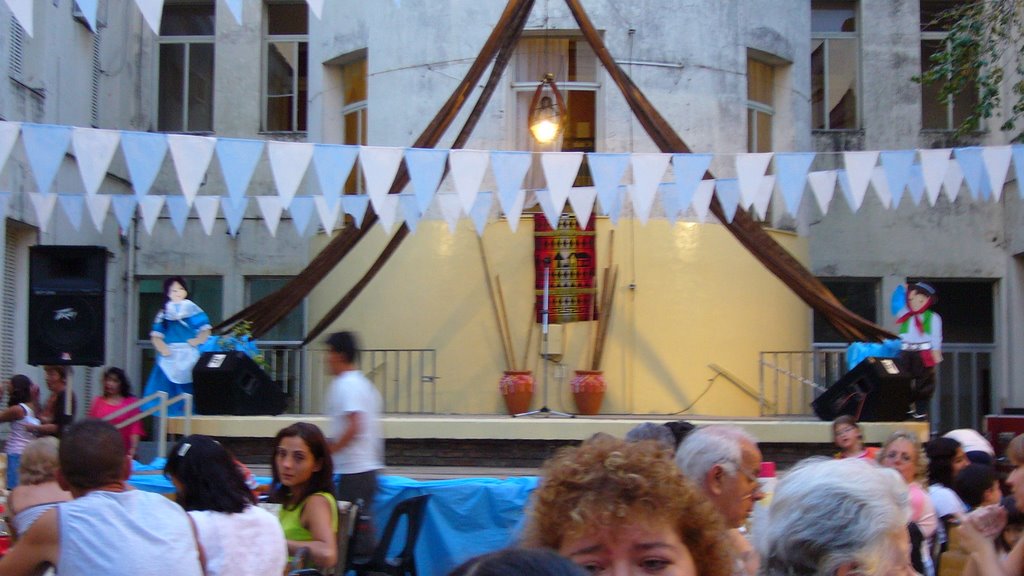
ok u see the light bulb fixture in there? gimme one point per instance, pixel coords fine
(547, 111)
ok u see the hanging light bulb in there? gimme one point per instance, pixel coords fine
(547, 112)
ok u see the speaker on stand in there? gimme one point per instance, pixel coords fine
(876, 390)
(67, 305)
(231, 382)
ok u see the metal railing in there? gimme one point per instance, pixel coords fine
(160, 409)
(791, 380)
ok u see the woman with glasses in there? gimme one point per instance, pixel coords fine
(902, 452)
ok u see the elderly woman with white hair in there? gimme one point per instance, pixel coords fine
(836, 518)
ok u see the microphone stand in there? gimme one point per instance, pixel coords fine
(544, 410)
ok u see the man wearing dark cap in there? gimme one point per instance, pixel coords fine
(920, 330)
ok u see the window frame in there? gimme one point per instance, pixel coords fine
(266, 40)
(188, 41)
(950, 107)
(826, 38)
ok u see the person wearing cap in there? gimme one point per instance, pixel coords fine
(920, 330)
(353, 406)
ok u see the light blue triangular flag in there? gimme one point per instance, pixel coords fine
(844, 185)
(144, 153)
(973, 168)
(45, 146)
(235, 6)
(791, 177)
(481, 210)
(88, 9)
(3, 205)
(426, 167)
(915, 184)
(333, 164)
(896, 164)
(124, 209)
(234, 211)
(301, 209)
(689, 170)
(238, 159)
(178, 209)
(73, 205)
(509, 169)
(410, 211)
(607, 171)
(615, 211)
(355, 205)
(728, 192)
(671, 200)
(1018, 166)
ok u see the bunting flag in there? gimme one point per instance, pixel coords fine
(94, 149)
(750, 169)
(426, 168)
(451, 210)
(238, 159)
(823, 185)
(45, 146)
(764, 196)
(547, 206)
(853, 201)
(701, 203)
(648, 170)
(150, 207)
(728, 192)
(582, 201)
(355, 205)
(934, 164)
(316, 7)
(379, 167)
(43, 204)
(333, 163)
(301, 210)
(1018, 166)
(192, 155)
(973, 169)
(481, 211)
(73, 206)
(387, 211)
(206, 209)
(235, 6)
(4, 197)
(997, 163)
(98, 206)
(271, 208)
(881, 185)
(152, 11)
(791, 176)
(896, 167)
(178, 209)
(953, 180)
(509, 170)
(468, 167)
(672, 201)
(88, 10)
(124, 209)
(860, 167)
(288, 162)
(22, 10)
(915, 185)
(410, 211)
(328, 212)
(560, 170)
(234, 212)
(607, 170)
(144, 153)
(8, 138)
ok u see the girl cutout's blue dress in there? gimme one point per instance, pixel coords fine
(176, 323)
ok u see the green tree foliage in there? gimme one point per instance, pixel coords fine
(985, 45)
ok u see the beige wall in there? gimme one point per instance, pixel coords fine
(687, 295)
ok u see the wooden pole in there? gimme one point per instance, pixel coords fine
(606, 316)
(506, 332)
(509, 362)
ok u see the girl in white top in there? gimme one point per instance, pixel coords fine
(21, 412)
(235, 536)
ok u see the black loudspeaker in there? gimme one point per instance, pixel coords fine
(876, 390)
(232, 383)
(67, 305)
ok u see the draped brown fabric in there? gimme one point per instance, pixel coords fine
(499, 46)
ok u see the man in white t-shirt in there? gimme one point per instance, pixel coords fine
(357, 446)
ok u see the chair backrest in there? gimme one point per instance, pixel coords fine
(414, 509)
(347, 514)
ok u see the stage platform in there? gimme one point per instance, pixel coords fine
(526, 441)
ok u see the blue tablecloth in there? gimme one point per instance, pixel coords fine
(465, 517)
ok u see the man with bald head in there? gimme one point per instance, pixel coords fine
(109, 528)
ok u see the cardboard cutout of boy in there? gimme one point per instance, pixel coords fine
(179, 328)
(920, 330)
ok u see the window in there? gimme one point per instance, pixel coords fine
(26, 54)
(186, 68)
(835, 62)
(287, 65)
(859, 295)
(290, 328)
(935, 114)
(574, 65)
(760, 105)
(353, 111)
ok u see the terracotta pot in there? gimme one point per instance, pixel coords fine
(517, 389)
(588, 390)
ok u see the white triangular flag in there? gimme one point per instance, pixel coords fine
(451, 209)
(88, 10)
(933, 168)
(701, 202)
(582, 200)
(152, 10)
(327, 212)
(73, 208)
(607, 170)
(997, 164)
(94, 149)
(288, 162)
(648, 170)
(8, 137)
(43, 203)
(387, 211)
(355, 205)
(235, 6)
(98, 206)
(509, 169)
(953, 181)
(192, 155)
(178, 209)
(547, 206)
(379, 167)
(302, 212)
(467, 173)
(22, 10)
(750, 169)
(823, 185)
(791, 176)
(481, 211)
(881, 185)
(271, 208)
(560, 171)
(150, 207)
(206, 209)
(860, 167)
(763, 196)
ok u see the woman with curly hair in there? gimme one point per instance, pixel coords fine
(902, 452)
(617, 507)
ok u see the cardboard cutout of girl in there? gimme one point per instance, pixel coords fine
(179, 329)
(920, 330)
